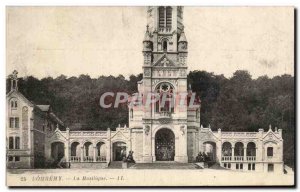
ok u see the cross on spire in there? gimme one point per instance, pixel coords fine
(14, 74)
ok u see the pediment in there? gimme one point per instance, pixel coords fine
(57, 135)
(164, 61)
(271, 136)
(18, 95)
(208, 136)
(119, 136)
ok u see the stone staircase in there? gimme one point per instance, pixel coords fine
(164, 165)
(115, 165)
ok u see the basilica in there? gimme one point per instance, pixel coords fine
(160, 131)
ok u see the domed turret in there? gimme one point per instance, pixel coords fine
(147, 41)
(182, 42)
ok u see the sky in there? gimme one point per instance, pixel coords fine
(50, 41)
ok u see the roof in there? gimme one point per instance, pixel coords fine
(55, 118)
(20, 95)
(147, 35)
(44, 108)
(182, 37)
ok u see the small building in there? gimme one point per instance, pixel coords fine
(27, 125)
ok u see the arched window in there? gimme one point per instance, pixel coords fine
(11, 143)
(101, 151)
(169, 17)
(226, 149)
(17, 142)
(165, 46)
(239, 149)
(166, 100)
(161, 20)
(75, 149)
(14, 103)
(270, 151)
(251, 149)
(165, 17)
(88, 148)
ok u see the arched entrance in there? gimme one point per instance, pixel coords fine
(88, 152)
(57, 150)
(164, 145)
(101, 152)
(119, 151)
(75, 152)
(209, 148)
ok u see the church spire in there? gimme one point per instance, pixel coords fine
(182, 36)
(182, 42)
(147, 41)
(147, 34)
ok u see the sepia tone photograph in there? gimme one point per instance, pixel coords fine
(150, 96)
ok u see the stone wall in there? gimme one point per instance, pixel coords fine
(38, 137)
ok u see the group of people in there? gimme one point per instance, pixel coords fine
(202, 157)
(129, 158)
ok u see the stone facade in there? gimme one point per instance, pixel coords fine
(156, 132)
(27, 125)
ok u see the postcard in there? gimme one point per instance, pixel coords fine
(150, 96)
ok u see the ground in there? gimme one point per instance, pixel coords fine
(160, 174)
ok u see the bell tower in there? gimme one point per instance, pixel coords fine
(164, 74)
(165, 50)
(165, 35)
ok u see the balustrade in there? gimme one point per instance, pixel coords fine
(251, 158)
(75, 159)
(226, 158)
(239, 158)
(101, 159)
(88, 159)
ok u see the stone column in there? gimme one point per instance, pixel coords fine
(147, 143)
(219, 151)
(108, 147)
(181, 143)
(153, 149)
(94, 154)
(130, 140)
(245, 153)
(232, 153)
(67, 153)
(128, 147)
(260, 151)
(82, 154)
(67, 143)
(195, 145)
(256, 152)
